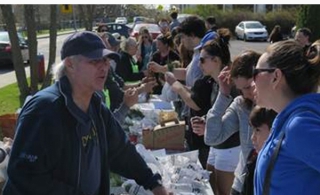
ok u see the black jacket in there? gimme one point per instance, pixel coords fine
(249, 173)
(124, 68)
(45, 157)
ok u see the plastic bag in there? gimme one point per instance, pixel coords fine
(167, 94)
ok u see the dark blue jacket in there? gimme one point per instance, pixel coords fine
(45, 157)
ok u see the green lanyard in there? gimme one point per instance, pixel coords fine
(135, 68)
(107, 97)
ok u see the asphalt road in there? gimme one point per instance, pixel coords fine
(7, 75)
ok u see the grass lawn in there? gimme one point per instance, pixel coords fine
(9, 99)
(44, 32)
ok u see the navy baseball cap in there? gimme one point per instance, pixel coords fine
(208, 37)
(87, 44)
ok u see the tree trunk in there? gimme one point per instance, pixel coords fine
(53, 45)
(33, 46)
(16, 52)
(86, 13)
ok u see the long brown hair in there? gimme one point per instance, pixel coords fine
(244, 63)
(301, 70)
(219, 46)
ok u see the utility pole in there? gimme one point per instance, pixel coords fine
(74, 18)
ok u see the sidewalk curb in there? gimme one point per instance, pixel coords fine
(61, 33)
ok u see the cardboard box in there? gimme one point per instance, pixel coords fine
(170, 136)
(8, 124)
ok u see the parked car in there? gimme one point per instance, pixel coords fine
(130, 25)
(122, 29)
(138, 19)
(121, 20)
(6, 51)
(251, 30)
(154, 29)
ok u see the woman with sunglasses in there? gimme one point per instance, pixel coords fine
(145, 47)
(102, 28)
(286, 80)
(231, 115)
(214, 56)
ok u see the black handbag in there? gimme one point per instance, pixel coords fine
(267, 179)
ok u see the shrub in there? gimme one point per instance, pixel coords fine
(308, 17)
(230, 18)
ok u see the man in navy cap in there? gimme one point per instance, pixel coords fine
(67, 141)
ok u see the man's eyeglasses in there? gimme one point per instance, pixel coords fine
(203, 59)
(257, 71)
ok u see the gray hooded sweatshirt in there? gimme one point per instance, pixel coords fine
(223, 120)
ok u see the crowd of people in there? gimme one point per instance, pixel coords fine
(253, 119)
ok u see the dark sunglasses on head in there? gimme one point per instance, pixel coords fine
(257, 71)
(203, 59)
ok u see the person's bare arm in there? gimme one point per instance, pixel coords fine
(185, 95)
(180, 89)
(180, 73)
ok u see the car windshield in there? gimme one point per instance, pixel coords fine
(4, 37)
(138, 18)
(253, 25)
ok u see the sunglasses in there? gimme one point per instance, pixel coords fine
(104, 30)
(145, 37)
(163, 25)
(203, 59)
(256, 71)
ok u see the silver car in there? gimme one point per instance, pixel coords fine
(251, 30)
(121, 20)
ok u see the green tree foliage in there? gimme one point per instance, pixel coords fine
(284, 18)
(203, 10)
(309, 17)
